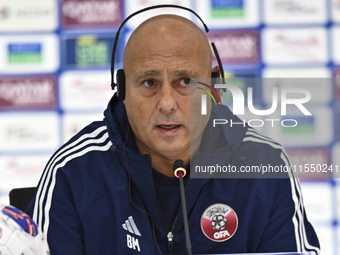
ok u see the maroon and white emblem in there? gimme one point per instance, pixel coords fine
(219, 222)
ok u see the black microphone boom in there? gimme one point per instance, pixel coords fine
(180, 172)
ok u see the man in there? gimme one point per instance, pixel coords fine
(111, 188)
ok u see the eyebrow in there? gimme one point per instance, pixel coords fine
(142, 74)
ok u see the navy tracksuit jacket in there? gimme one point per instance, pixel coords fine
(94, 199)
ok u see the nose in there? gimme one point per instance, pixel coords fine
(167, 100)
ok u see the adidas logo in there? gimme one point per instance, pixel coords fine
(130, 226)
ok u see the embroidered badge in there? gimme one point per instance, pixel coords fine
(219, 222)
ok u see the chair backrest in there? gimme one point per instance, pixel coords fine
(21, 197)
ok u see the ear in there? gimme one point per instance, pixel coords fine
(216, 69)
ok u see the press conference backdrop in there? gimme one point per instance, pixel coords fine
(54, 78)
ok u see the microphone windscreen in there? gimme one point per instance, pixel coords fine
(178, 163)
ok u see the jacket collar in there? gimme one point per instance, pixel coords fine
(219, 145)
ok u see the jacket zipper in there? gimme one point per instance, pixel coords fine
(170, 234)
(170, 242)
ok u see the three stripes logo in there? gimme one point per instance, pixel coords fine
(132, 242)
(130, 226)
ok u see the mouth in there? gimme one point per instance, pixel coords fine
(168, 128)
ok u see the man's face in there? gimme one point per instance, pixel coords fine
(159, 96)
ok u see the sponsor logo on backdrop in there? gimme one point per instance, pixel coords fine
(34, 53)
(22, 164)
(291, 6)
(229, 13)
(24, 53)
(290, 46)
(21, 15)
(291, 42)
(21, 171)
(85, 90)
(83, 13)
(25, 13)
(131, 6)
(29, 92)
(294, 11)
(227, 9)
(236, 47)
(16, 166)
(29, 132)
(89, 51)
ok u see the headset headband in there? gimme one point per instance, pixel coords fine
(113, 85)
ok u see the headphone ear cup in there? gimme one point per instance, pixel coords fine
(214, 78)
(120, 77)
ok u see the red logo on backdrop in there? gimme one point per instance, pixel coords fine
(90, 13)
(219, 222)
(28, 92)
(237, 46)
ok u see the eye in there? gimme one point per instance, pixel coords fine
(148, 83)
(184, 81)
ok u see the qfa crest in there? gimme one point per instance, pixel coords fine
(219, 222)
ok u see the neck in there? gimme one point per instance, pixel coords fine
(163, 162)
(165, 165)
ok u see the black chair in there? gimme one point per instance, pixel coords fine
(21, 197)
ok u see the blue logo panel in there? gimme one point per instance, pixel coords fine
(88, 51)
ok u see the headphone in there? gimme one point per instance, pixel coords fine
(120, 76)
